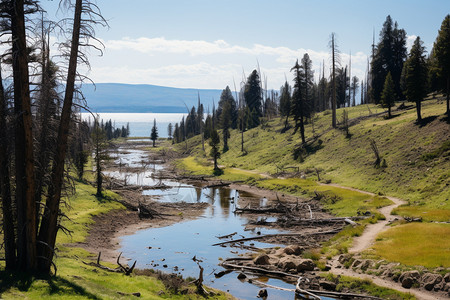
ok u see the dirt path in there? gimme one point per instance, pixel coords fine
(366, 240)
(369, 235)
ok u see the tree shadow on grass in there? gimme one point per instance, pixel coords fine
(56, 285)
(425, 121)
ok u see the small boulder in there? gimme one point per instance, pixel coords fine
(262, 259)
(447, 277)
(287, 263)
(356, 263)
(262, 294)
(306, 265)
(429, 280)
(367, 263)
(241, 276)
(408, 279)
(293, 250)
(327, 285)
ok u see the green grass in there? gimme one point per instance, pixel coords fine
(417, 157)
(424, 244)
(75, 280)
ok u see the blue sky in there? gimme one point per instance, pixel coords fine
(207, 44)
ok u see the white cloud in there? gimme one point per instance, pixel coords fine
(204, 64)
(410, 41)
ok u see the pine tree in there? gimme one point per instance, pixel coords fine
(215, 143)
(253, 100)
(442, 54)
(299, 105)
(388, 94)
(285, 103)
(154, 134)
(416, 75)
(169, 131)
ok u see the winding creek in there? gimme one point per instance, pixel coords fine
(172, 248)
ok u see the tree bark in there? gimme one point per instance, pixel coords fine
(8, 220)
(49, 226)
(26, 207)
(448, 96)
(333, 100)
(418, 110)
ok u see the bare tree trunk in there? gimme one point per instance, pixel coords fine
(8, 220)
(333, 101)
(448, 97)
(49, 226)
(26, 216)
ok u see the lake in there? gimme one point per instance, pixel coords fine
(140, 123)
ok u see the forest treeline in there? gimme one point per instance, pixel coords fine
(392, 75)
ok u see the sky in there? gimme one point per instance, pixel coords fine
(209, 44)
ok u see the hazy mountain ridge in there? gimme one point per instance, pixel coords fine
(145, 98)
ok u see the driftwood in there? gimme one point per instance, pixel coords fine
(257, 269)
(221, 184)
(275, 235)
(226, 236)
(98, 265)
(299, 290)
(199, 282)
(127, 270)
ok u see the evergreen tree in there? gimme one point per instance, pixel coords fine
(225, 124)
(442, 54)
(154, 134)
(215, 143)
(253, 100)
(308, 84)
(389, 56)
(416, 73)
(170, 130)
(354, 87)
(285, 103)
(388, 94)
(227, 98)
(299, 105)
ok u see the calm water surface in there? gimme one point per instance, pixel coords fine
(172, 248)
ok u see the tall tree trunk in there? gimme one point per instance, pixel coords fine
(418, 110)
(8, 220)
(26, 207)
(49, 226)
(448, 97)
(302, 130)
(333, 100)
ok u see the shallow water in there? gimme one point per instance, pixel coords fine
(172, 248)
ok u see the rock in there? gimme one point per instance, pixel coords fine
(306, 265)
(136, 294)
(287, 263)
(343, 258)
(241, 276)
(429, 280)
(327, 285)
(262, 294)
(279, 252)
(356, 263)
(447, 287)
(447, 277)
(408, 279)
(293, 250)
(367, 263)
(263, 259)
(327, 268)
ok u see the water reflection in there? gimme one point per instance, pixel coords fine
(172, 248)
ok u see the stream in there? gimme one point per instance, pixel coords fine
(172, 248)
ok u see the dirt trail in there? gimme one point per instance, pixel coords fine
(366, 240)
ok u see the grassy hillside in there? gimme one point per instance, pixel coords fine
(417, 157)
(75, 280)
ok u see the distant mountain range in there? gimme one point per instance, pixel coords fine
(144, 98)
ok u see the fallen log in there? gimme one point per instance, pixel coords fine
(221, 184)
(226, 236)
(258, 270)
(275, 235)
